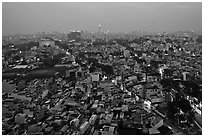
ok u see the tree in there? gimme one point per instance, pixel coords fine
(172, 110)
(48, 62)
(107, 69)
(154, 64)
(184, 105)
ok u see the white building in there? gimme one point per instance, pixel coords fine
(84, 127)
(95, 76)
(46, 43)
(126, 53)
(92, 119)
(139, 90)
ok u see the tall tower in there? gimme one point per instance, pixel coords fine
(99, 28)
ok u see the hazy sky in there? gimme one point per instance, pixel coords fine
(115, 17)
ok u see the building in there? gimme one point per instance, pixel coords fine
(138, 89)
(186, 76)
(92, 120)
(46, 48)
(74, 36)
(46, 43)
(83, 128)
(95, 76)
(20, 118)
(151, 91)
(152, 79)
(71, 74)
(126, 53)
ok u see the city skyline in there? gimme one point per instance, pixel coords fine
(29, 17)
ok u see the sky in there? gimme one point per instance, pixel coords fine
(34, 17)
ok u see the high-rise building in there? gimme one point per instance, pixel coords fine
(46, 43)
(74, 36)
(99, 28)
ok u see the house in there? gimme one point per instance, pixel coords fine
(20, 118)
(154, 94)
(156, 123)
(95, 76)
(21, 85)
(151, 92)
(6, 111)
(150, 116)
(48, 130)
(108, 130)
(96, 132)
(147, 105)
(28, 112)
(138, 114)
(94, 106)
(121, 115)
(63, 130)
(45, 93)
(124, 108)
(151, 78)
(139, 90)
(181, 118)
(137, 118)
(74, 122)
(165, 130)
(131, 78)
(33, 129)
(156, 99)
(154, 131)
(108, 118)
(83, 128)
(7, 87)
(20, 67)
(107, 86)
(92, 119)
(142, 77)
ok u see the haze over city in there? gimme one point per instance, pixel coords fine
(29, 18)
(102, 68)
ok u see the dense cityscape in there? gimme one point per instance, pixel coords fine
(101, 83)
